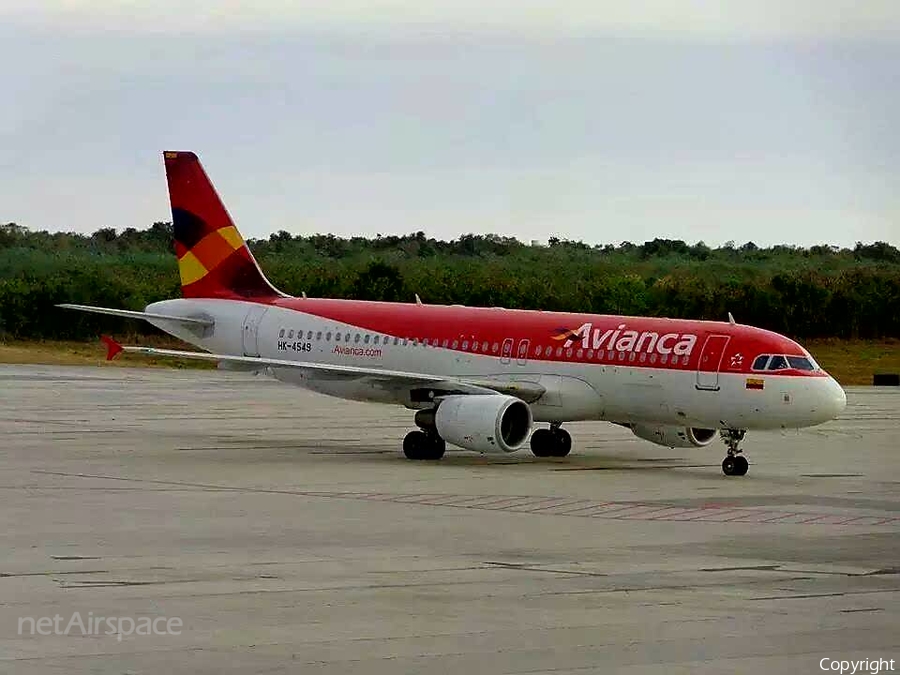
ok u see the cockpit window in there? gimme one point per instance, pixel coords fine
(778, 362)
(800, 363)
(781, 362)
(760, 362)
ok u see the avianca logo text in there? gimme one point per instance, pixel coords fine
(621, 340)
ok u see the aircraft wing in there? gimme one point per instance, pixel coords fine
(420, 384)
(194, 321)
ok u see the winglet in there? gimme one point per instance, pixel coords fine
(112, 347)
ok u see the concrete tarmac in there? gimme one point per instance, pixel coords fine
(286, 533)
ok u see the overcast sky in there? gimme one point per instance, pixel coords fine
(774, 121)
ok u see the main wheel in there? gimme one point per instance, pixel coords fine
(415, 445)
(562, 443)
(436, 447)
(542, 443)
(741, 465)
(419, 445)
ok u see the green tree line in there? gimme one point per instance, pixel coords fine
(822, 291)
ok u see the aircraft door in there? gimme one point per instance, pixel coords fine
(250, 329)
(522, 352)
(710, 361)
(506, 350)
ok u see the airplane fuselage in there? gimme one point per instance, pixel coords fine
(628, 370)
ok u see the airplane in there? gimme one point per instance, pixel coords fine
(480, 378)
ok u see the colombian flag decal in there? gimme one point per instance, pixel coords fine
(755, 383)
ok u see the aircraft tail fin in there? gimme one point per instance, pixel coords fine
(213, 259)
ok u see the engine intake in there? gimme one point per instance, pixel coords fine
(484, 423)
(674, 437)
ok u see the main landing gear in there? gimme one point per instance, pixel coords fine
(552, 442)
(423, 445)
(734, 464)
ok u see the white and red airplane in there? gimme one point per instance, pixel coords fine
(479, 378)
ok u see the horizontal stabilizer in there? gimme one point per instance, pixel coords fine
(195, 321)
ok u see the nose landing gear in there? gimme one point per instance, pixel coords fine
(734, 464)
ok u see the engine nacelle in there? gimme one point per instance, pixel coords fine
(485, 423)
(674, 437)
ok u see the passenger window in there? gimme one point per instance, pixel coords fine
(328, 336)
(631, 356)
(590, 354)
(319, 335)
(405, 341)
(653, 357)
(569, 353)
(800, 363)
(291, 334)
(465, 345)
(366, 339)
(778, 362)
(684, 360)
(580, 353)
(558, 352)
(484, 346)
(396, 341)
(281, 333)
(495, 347)
(538, 350)
(375, 340)
(475, 346)
(611, 355)
(347, 337)
(308, 335)
(643, 357)
(455, 344)
(760, 362)
(621, 356)
(445, 343)
(664, 358)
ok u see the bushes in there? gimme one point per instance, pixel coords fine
(807, 293)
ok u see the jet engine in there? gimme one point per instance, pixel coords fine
(490, 423)
(674, 437)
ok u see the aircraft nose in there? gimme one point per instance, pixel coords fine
(834, 399)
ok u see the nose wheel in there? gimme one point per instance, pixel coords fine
(734, 464)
